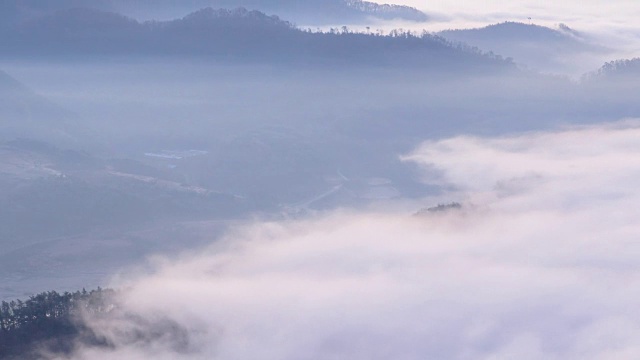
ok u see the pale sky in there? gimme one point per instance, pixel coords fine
(615, 12)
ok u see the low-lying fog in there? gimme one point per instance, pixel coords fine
(538, 263)
(412, 198)
(260, 141)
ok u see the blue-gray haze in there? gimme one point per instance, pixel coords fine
(122, 138)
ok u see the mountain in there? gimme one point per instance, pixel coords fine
(307, 12)
(539, 47)
(317, 12)
(82, 31)
(231, 35)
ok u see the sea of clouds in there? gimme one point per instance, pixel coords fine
(541, 262)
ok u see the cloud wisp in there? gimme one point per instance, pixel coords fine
(540, 263)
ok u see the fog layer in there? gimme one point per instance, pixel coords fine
(540, 263)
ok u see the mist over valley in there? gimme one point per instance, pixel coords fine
(290, 180)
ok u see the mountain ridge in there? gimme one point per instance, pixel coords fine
(310, 12)
(542, 48)
(237, 34)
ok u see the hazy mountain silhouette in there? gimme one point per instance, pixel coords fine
(537, 46)
(308, 12)
(237, 35)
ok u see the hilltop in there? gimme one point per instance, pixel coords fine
(307, 12)
(233, 35)
(539, 47)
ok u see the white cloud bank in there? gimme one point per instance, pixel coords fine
(541, 263)
(580, 13)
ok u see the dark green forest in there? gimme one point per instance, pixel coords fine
(49, 322)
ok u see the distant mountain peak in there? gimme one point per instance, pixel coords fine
(510, 29)
(388, 11)
(237, 35)
(328, 10)
(547, 49)
(238, 12)
(303, 11)
(518, 31)
(211, 14)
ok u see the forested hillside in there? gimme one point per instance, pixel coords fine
(550, 49)
(50, 322)
(234, 35)
(302, 11)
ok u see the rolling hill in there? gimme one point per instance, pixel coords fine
(307, 12)
(535, 46)
(232, 35)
